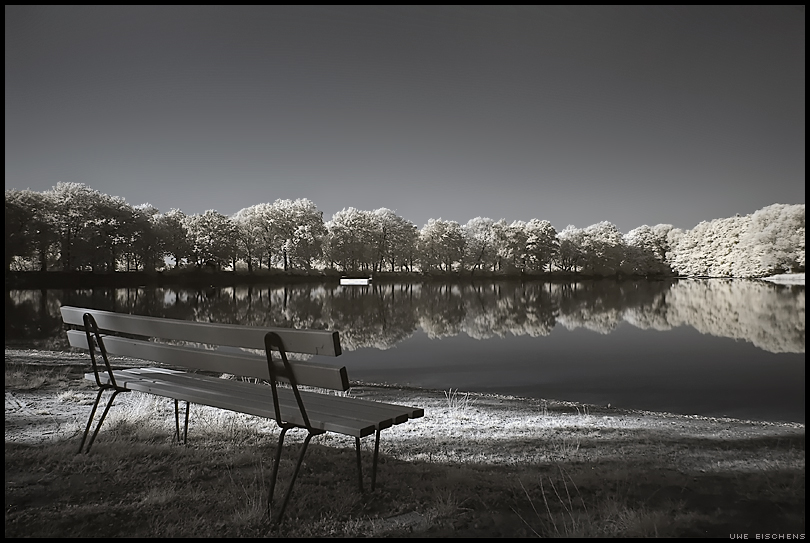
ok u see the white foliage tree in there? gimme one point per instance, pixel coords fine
(394, 239)
(31, 229)
(514, 249)
(776, 240)
(351, 239)
(250, 238)
(571, 252)
(441, 245)
(604, 249)
(771, 240)
(480, 250)
(647, 248)
(541, 244)
(211, 235)
(170, 227)
(296, 232)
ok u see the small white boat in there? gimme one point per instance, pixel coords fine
(355, 280)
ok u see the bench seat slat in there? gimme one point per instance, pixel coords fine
(331, 422)
(230, 393)
(376, 412)
(240, 396)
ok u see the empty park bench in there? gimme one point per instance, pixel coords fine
(221, 349)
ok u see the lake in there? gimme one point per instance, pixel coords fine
(708, 347)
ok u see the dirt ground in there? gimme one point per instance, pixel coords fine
(724, 476)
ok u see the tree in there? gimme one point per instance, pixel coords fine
(603, 249)
(647, 249)
(83, 218)
(401, 241)
(775, 240)
(249, 239)
(351, 239)
(441, 245)
(771, 240)
(710, 248)
(480, 251)
(211, 235)
(541, 245)
(144, 248)
(527, 246)
(170, 228)
(30, 228)
(571, 254)
(514, 249)
(111, 230)
(306, 245)
(259, 229)
(295, 231)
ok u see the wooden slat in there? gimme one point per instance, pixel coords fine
(307, 373)
(262, 407)
(319, 342)
(378, 413)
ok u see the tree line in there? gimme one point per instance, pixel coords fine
(73, 227)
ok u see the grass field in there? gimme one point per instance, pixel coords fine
(474, 466)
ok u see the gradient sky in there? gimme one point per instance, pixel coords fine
(633, 115)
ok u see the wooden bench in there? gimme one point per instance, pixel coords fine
(221, 349)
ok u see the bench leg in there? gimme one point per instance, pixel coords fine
(359, 464)
(374, 463)
(310, 434)
(177, 422)
(100, 422)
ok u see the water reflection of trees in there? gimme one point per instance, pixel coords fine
(372, 316)
(380, 316)
(510, 308)
(601, 306)
(769, 316)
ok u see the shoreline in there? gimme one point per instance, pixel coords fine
(76, 364)
(786, 279)
(79, 364)
(197, 278)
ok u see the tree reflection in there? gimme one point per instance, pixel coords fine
(767, 315)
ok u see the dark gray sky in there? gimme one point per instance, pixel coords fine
(633, 115)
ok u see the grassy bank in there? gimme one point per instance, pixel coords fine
(475, 465)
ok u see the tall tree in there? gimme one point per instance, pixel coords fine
(541, 244)
(170, 228)
(351, 237)
(441, 245)
(145, 248)
(80, 213)
(211, 235)
(296, 231)
(775, 239)
(30, 228)
(647, 248)
(571, 254)
(480, 251)
(249, 238)
(603, 249)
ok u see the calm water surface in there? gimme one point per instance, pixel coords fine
(709, 347)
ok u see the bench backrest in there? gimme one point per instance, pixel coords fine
(225, 343)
